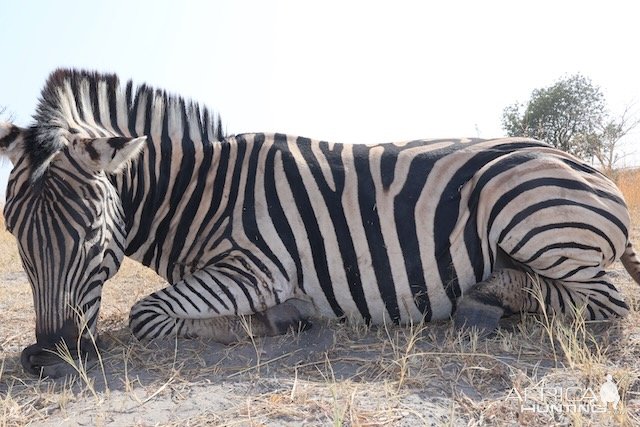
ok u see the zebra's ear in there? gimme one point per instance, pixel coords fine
(106, 154)
(11, 141)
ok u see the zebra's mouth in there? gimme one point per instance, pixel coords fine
(59, 362)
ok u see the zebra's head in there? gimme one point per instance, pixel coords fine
(67, 219)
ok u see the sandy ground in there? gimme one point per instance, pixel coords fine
(334, 374)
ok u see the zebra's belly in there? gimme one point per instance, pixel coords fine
(389, 299)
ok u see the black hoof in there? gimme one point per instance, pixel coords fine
(288, 316)
(474, 315)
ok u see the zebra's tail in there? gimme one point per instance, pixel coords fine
(631, 262)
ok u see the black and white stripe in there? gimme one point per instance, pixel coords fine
(239, 224)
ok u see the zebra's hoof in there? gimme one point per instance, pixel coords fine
(474, 315)
(287, 316)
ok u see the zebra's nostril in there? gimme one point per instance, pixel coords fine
(32, 359)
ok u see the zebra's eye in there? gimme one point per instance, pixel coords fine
(93, 234)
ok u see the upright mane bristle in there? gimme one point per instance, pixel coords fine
(95, 104)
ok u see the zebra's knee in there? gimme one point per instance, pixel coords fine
(149, 321)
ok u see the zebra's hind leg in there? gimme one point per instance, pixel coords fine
(508, 291)
(485, 303)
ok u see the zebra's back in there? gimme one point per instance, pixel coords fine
(400, 231)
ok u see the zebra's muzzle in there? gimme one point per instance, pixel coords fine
(53, 363)
(59, 355)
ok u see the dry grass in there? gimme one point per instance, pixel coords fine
(335, 374)
(629, 183)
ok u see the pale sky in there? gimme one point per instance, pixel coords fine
(343, 71)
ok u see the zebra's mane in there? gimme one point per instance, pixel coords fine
(95, 104)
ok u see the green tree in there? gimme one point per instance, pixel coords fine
(602, 143)
(561, 115)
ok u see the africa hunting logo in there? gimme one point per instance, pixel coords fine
(542, 399)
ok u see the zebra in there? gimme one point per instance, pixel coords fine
(276, 229)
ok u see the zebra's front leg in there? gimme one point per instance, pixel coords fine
(222, 307)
